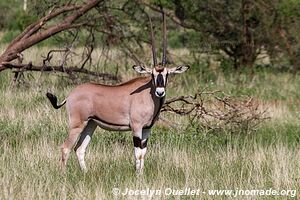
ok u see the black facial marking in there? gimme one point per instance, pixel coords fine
(137, 142)
(160, 81)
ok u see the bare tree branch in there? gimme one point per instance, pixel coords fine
(68, 70)
(89, 46)
(216, 110)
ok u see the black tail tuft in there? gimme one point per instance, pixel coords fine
(53, 100)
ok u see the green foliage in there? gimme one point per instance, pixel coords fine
(9, 36)
(289, 8)
(22, 20)
(176, 40)
(8, 9)
(15, 18)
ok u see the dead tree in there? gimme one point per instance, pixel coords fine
(219, 111)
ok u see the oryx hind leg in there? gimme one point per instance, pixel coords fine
(140, 140)
(84, 140)
(68, 144)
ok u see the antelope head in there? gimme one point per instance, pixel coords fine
(160, 72)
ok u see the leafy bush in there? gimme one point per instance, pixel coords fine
(21, 20)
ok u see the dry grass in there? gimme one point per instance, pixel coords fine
(32, 132)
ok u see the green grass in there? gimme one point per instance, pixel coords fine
(31, 133)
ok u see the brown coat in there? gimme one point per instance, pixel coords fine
(129, 106)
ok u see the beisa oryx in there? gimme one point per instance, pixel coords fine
(133, 105)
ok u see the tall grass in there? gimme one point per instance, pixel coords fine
(31, 133)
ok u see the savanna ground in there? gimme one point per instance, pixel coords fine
(31, 133)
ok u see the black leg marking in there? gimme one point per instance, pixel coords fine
(137, 142)
(88, 130)
(81, 139)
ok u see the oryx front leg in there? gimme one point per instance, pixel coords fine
(140, 148)
(84, 140)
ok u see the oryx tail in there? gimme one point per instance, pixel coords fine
(53, 100)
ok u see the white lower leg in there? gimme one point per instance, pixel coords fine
(80, 152)
(139, 158)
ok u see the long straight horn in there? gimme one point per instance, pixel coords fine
(164, 57)
(152, 42)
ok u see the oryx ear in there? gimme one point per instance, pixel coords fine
(142, 69)
(178, 69)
